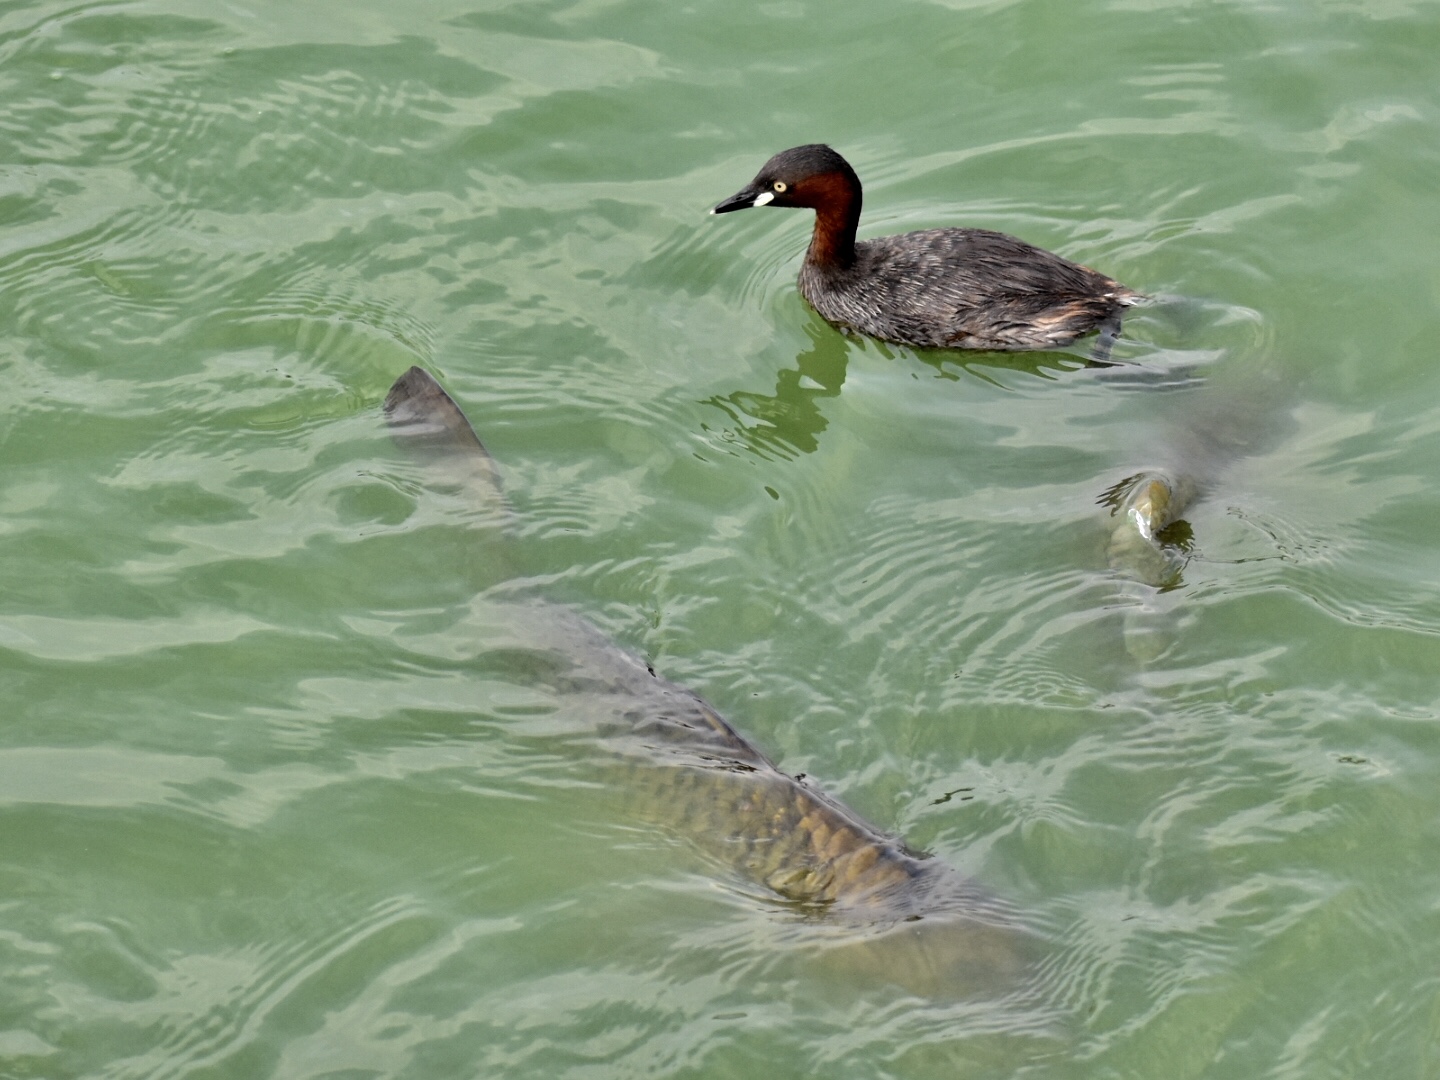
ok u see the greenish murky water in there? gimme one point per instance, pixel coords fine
(277, 797)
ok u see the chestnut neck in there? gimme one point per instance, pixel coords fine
(836, 198)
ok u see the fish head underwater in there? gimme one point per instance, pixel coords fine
(952, 939)
(1149, 540)
(812, 176)
(941, 957)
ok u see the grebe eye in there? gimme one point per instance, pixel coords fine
(779, 186)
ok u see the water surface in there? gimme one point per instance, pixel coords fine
(271, 797)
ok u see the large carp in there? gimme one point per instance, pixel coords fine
(880, 907)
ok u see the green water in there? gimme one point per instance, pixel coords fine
(274, 803)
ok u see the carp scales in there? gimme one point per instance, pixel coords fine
(894, 914)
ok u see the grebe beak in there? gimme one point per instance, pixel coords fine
(743, 200)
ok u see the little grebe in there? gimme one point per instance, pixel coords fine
(937, 288)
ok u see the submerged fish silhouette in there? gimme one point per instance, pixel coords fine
(905, 918)
(1211, 424)
(1145, 543)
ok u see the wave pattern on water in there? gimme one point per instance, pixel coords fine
(278, 799)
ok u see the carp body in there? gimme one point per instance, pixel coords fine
(874, 906)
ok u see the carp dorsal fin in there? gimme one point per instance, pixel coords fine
(424, 417)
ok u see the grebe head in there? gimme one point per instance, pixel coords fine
(812, 176)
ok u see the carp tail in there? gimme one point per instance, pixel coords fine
(423, 417)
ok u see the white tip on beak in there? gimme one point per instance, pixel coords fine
(763, 198)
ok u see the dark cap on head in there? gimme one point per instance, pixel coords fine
(808, 160)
